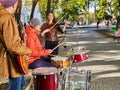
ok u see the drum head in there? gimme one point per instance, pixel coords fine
(45, 71)
(59, 58)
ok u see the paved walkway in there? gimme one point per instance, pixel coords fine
(103, 61)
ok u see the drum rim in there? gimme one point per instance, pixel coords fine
(52, 71)
(57, 57)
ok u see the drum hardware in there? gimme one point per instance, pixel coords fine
(77, 35)
(63, 78)
(63, 64)
(65, 47)
(44, 77)
(80, 55)
(68, 44)
(71, 53)
(30, 85)
(79, 79)
(60, 62)
(66, 64)
(69, 71)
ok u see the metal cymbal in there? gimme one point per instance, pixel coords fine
(68, 43)
(70, 53)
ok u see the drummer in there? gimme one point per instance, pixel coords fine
(36, 59)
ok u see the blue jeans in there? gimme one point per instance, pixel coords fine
(17, 83)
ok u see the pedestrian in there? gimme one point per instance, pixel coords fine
(36, 59)
(117, 34)
(98, 24)
(11, 46)
(50, 34)
(107, 23)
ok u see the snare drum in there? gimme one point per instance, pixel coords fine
(80, 56)
(45, 78)
(60, 61)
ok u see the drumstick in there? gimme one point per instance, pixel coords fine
(53, 55)
(57, 46)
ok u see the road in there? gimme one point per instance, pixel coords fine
(103, 61)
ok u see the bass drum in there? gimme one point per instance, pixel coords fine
(45, 78)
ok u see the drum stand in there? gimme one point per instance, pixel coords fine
(68, 74)
(65, 47)
(62, 78)
(77, 65)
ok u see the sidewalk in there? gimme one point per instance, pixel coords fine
(103, 61)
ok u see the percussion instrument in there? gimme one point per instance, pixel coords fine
(73, 51)
(79, 57)
(68, 43)
(45, 78)
(60, 61)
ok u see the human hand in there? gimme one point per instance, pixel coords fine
(44, 32)
(66, 22)
(47, 30)
(50, 51)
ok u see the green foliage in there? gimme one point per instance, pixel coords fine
(108, 17)
(43, 7)
(76, 8)
(100, 13)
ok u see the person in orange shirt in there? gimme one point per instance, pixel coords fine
(36, 59)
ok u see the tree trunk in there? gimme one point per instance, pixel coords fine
(18, 11)
(118, 18)
(33, 8)
(48, 7)
(18, 14)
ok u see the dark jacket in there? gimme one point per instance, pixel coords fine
(52, 35)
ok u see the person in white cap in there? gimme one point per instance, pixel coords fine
(11, 43)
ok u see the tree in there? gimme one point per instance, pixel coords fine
(48, 7)
(18, 15)
(34, 2)
(18, 11)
